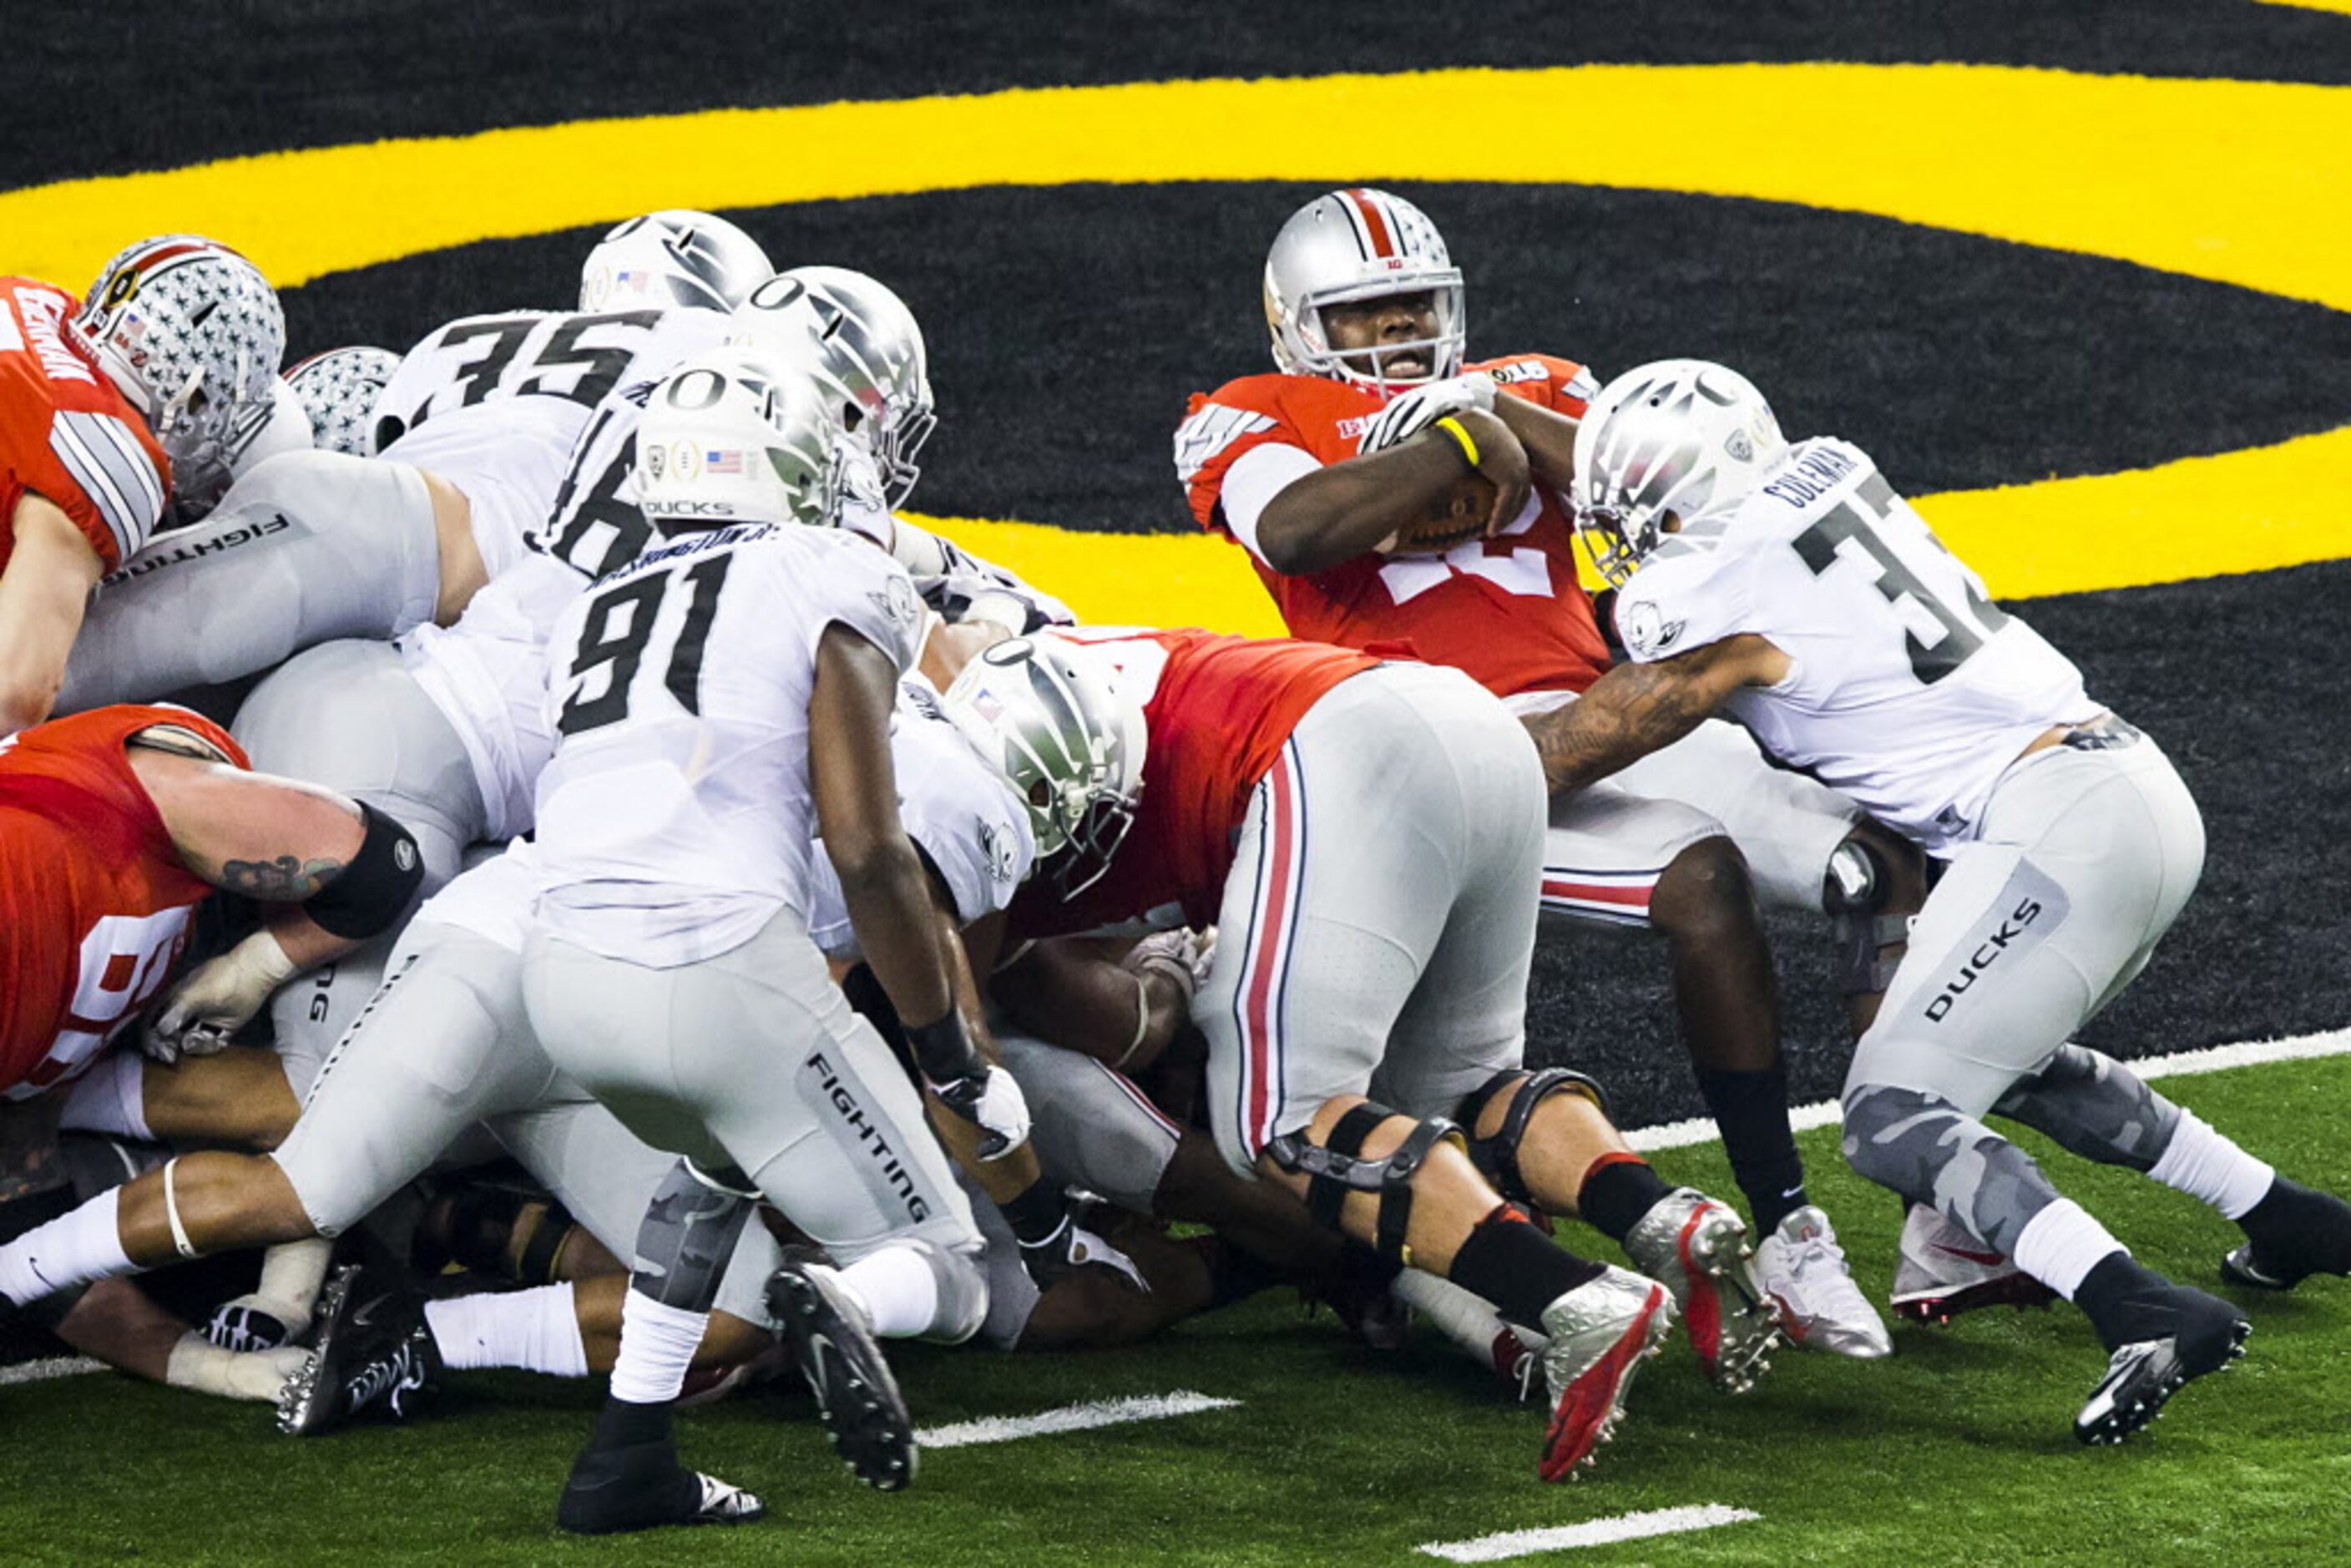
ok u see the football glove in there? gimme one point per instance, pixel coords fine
(1416, 411)
(991, 1102)
(1180, 955)
(216, 999)
(1073, 1247)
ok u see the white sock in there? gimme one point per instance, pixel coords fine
(75, 1248)
(291, 1273)
(897, 1290)
(110, 1098)
(2060, 1246)
(2204, 1164)
(198, 1363)
(535, 1330)
(1467, 1319)
(657, 1345)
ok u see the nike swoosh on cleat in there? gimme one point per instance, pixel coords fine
(1988, 1259)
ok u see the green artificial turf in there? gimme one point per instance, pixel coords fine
(1957, 1450)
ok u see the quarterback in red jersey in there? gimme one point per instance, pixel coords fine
(1367, 838)
(1321, 470)
(104, 402)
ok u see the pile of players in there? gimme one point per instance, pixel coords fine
(780, 858)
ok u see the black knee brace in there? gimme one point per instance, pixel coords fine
(1337, 1168)
(1856, 891)
(688, 1236)
(1496, 1157)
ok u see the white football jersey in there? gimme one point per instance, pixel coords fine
(960, 812)
(492, 898)
(1911, 691)
(675, 819)
(497, 405)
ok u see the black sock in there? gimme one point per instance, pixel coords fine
(1616, 1193)
(623, 1425)
(2116, 1297)
(1751, 1110)
(1233, 1274)
(1516, 1267)
(1036, 1213)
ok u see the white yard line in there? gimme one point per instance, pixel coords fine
(42, 1371)
(1593, 1532)
(2179, 1064)
(1671, 1136)
(1069, 1418)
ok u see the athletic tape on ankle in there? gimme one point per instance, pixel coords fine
(171, 1209)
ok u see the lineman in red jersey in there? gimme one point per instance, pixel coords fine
(173, 354)
(1314, 470)
(1367, 838)
(114, 825)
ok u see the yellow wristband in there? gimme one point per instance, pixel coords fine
(1452, 427)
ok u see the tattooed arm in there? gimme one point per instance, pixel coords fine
(273, 840)
(1636, 709)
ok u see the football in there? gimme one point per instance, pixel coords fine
(1459, 516)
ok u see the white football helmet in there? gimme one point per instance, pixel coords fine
(1353, 245)
(672, 259)
(192, 334)
(339, 390)
(729, 436)
(1055, 719)
(1674, 435)
(864, 349)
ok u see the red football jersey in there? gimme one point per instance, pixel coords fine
(94, 903)
(1508, 609)
(67, 433)
(1218, 710)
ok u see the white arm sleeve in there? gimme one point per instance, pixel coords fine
(1256, 478)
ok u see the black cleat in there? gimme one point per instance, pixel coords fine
(2189, 1335)
(2292, 1233)
(854, 1390)
(374, 1356)
(643, 1487)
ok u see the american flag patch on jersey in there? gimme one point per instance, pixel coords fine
(722, 462)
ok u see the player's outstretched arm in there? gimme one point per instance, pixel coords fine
(1636, 709)
(43, 593)
(1071, 992)
(855, 790)
(335, 872)
(1338, 512)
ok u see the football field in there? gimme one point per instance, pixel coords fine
(1298, 1446)
(2079, 277)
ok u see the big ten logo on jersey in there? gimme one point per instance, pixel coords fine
(124, 961)
(1513, 568)
(580, 359)
(628, 634)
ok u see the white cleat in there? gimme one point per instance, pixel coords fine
(1945, 1270)
(1820, 1307)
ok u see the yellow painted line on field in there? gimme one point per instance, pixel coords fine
(2201, 516)
(2241, 181)
(2340, 7)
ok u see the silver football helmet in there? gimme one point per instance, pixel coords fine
(1053, 718)
(1674, 435)
(339, 390)
(676, 257)
(864, 349)
(1354, 244)
(730, 436)
(192, 334)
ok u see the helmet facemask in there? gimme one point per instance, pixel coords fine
(1442, 350)
(1676, 437)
